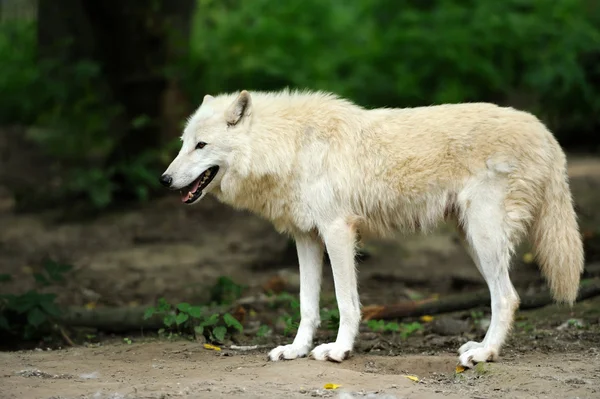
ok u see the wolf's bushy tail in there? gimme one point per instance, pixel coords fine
(556, 237)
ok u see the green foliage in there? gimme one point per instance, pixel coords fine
(188, 319)
(21, 74)
(73, 120)
(291, 317)
(330, 318)
(263, 331)
(226, 291)
(525, 326)
(32, 314)
(476, 316)
(52, 272)
(539, 55)
(404, 329)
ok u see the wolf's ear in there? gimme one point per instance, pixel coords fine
(207, 98)
(239, 108)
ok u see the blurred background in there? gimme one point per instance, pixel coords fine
(101, 88)
(93, 95)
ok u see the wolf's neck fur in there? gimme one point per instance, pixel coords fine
(286, 131)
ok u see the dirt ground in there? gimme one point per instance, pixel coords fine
(161, 370)
(135, 255)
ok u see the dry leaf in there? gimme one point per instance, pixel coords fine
(331, 386)
(459, 369)
(275, 284)
(412, 378)
(212, 347)
(426, 318)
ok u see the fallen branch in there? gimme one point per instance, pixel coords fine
(132, 318)
(452, 303)
(66, 337)
(110, 319)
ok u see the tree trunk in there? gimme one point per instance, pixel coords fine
(132, 42)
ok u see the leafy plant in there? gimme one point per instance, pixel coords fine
(53, 272)
(405, 330)
(330, 318)
(33, 313)
(476, 316)
(225, 291)
(525, 326)
(291, 317)
(263, 331)
(184, 318)
(383, 326)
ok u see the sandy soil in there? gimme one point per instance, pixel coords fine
(161, 370)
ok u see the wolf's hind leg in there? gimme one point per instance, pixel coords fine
(310, 257)
(340, 239)
(488, 239)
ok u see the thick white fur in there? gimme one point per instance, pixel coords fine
(323, 170)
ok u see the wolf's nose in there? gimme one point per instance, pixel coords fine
(166, 180)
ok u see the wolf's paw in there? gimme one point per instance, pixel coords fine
(468, 346)
(477, 355)
(333, 352)
(288, 352)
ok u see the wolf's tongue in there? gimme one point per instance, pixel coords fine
(186, 195)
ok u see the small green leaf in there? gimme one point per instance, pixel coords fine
(169, 320)
(149, 313)
(181, 318)
(263, 331)
(163, 305)
(50, 308)
(211, 321)
(184, 307)
(4, 278)
(219, 333)
(41, 279)
(199, 330)
(195, 311)
(36, 317)
(232, 322)
(56, 270)
(25, 302)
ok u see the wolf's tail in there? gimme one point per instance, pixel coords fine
(556, 237)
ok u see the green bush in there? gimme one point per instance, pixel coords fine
(21, 74)
(536, 55)
(72, 119)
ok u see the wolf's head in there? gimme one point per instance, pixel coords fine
(210, 141)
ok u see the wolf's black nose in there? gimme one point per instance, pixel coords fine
(166, 180)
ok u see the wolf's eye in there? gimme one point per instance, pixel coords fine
(200, 145)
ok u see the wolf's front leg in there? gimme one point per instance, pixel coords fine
(310, 256)
(340, 240)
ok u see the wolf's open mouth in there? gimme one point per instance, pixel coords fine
(192, 192)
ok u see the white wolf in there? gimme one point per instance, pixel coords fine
(324, 170)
